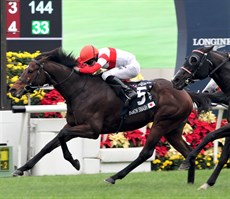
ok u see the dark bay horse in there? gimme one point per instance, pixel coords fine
(200, 64)
(93, 108)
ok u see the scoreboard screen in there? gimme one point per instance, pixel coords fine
(33, 25)
(4, 159)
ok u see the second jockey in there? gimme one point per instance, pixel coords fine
(119, 64)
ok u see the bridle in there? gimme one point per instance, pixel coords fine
(203, 59)
(29, 84)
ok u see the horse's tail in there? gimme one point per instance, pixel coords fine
(204, 100)
(218, 97)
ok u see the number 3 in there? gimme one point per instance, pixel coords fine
(13, 7)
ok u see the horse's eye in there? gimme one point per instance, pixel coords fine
(30, 71)
(193, 60)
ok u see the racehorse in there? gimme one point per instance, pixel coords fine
(93, 108)
(204, 62)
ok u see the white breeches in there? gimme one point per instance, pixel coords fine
(211, 87)
(123, 72)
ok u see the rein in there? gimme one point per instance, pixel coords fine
(65, 78)
(57, 85)
(41, 66)
(221, 64)
(75, 93)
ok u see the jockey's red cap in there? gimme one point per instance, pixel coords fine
(88, 52)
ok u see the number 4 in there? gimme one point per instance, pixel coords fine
(12, 27)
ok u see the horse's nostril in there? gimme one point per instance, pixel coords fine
(12, 90)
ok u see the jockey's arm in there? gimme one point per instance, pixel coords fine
(90, 69)
(94, 68)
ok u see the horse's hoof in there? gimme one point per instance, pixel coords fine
(17, 173)
(184, 166)
(204, 187)
(76, 164)
(110, 180)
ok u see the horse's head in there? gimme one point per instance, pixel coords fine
(32, 77)
(196, 67)
(53, 67)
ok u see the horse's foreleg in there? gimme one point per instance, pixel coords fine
(76, 131)
(66, 153)
(219, 133)
(54, 143)
(146, 153)
(223, 159)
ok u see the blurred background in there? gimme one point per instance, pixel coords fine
(146, 28)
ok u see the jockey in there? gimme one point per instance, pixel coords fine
(119, 65)
(211, 87)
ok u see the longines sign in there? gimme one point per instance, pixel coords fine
(196, 31)
(217, 42)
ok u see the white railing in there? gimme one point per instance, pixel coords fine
(220, 109)
(39, 108)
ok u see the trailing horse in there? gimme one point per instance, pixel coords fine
(93, 108)
(200, 64)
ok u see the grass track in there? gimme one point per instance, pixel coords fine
(146, 28)
(158, 185)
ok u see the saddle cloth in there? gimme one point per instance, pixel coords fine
(144, 100)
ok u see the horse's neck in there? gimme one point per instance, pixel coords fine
(222, 78)
(65, 80)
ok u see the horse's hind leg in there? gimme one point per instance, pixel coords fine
(223, 160)
(147, 151)
(176, 140)
(54, 143)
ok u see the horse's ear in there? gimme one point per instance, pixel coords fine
(43, 58)
(208, 49)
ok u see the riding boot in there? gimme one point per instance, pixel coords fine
(129, 93)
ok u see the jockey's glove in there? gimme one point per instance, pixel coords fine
(77, 69)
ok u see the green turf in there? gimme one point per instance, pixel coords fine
(158, 185)
(146, 28)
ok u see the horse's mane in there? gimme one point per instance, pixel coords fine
(60, 56)
(222, 53)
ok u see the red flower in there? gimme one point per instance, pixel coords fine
(136, 137)
(200, 130)
(52, 98)
(105, 142)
